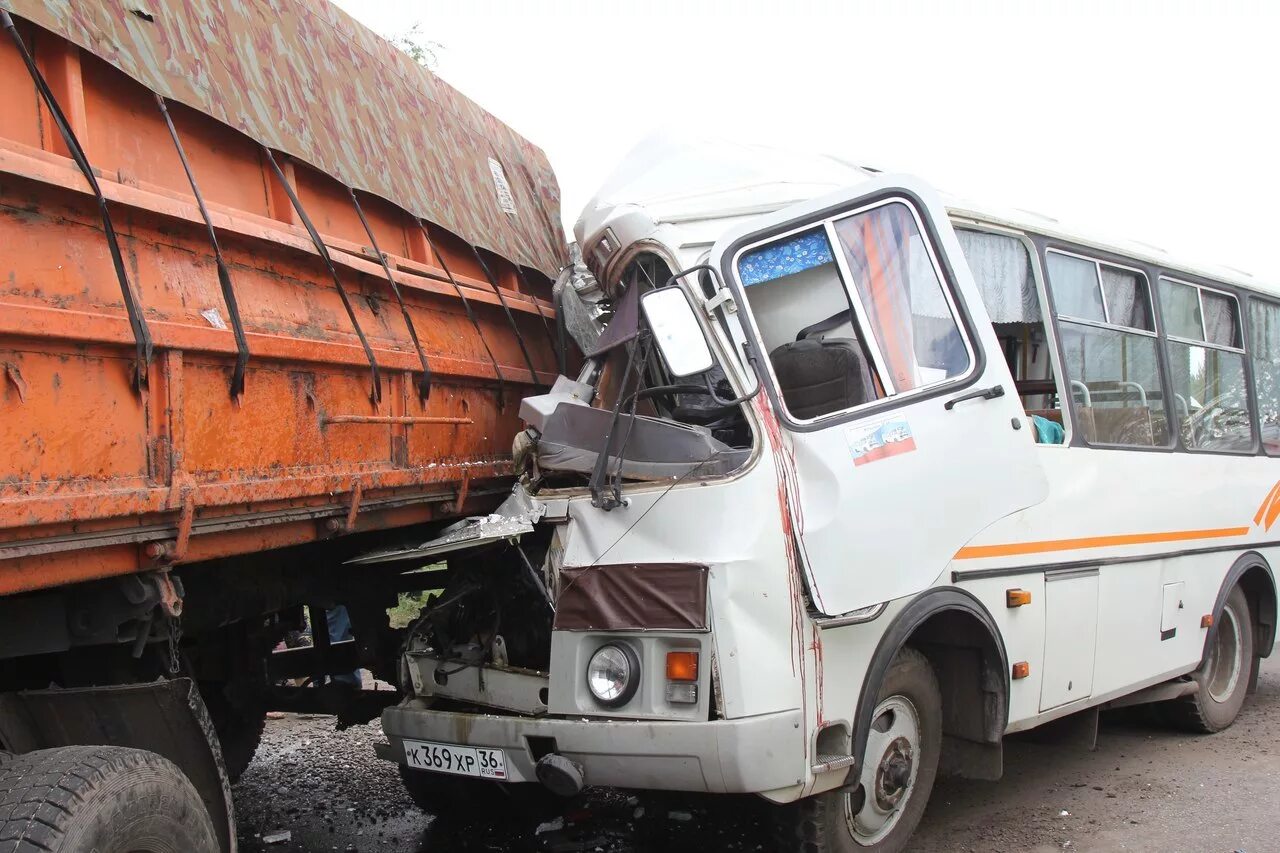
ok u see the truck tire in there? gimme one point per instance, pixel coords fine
(899, 768)
(1223, 675)
(100, 799)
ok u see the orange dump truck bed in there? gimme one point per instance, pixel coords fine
(110, 463)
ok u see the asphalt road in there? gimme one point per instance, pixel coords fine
(1145, 788)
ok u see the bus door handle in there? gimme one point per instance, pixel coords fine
(982, 394)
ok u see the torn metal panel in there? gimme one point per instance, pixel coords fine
(513, 519)
(305, 78)
(572, 436)
(579, 302)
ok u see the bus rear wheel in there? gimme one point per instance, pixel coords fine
(899, 766)
(101, 799)
(1223, 675)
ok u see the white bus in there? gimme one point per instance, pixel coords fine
(848, 489)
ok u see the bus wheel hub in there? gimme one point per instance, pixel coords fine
(893, 774)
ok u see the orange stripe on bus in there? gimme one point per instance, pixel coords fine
(1267, 502)
(1011, 549)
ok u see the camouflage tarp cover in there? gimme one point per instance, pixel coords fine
(303, 77)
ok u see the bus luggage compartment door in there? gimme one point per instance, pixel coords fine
(1070, 637)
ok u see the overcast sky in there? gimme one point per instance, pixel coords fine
(1153, 121)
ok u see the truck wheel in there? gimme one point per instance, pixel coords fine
(1223, 675)
(100, 799)
(439, 794)
(900, 764)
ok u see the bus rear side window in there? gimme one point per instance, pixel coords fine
(1264, 350)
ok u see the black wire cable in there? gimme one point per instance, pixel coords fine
(471, 315)
(376, 393)
(138, 323)
(424, 381)
(545, 325)
(524, 350)
(224, 274)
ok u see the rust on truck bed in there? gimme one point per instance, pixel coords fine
(99, 476)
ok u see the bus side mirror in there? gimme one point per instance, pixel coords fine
(676, 332)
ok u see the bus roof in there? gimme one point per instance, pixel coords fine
(705, 186)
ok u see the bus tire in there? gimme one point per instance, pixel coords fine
(1223, 675)
(897, 776)
(105, 799)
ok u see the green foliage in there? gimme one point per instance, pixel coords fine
(408, 607)
(422, 51)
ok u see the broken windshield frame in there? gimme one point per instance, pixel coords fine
(640, 365)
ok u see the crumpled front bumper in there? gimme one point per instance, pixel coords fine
(747, 755)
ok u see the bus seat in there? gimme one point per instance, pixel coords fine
(818, 377)
(1123, 425)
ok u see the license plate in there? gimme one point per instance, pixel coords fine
(476, 761)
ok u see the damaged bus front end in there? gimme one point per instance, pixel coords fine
(614, 623)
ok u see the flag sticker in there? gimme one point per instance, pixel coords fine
(872, 442)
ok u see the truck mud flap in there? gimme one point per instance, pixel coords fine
(164, 717)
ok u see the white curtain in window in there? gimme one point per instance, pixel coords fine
(1002, 270)
(1219, 319)
(1126, 302)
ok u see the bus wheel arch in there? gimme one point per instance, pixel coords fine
(958, 636)
(1252, 573)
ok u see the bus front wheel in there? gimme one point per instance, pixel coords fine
(1223, 676)
(899, 766)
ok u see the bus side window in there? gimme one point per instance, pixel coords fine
(1206, 362)
(1001, 267)
(1264, 351)
(1107, 331)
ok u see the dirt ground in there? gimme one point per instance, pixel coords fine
(1144, 789)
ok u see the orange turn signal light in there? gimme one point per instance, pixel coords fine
(682, 666)
(1017, 597)
(1206, 621)
(1021, 669)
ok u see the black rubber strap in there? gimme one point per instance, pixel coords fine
(424, 381)
(524, 350)
(138, 323)
(376, 394)
(835, 321)
(224, 274)
(471, 315)
(555, 346)
(562, 333)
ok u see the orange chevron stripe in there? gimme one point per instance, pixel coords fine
(1268, 501)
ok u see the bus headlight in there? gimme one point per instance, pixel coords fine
(613, 674)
